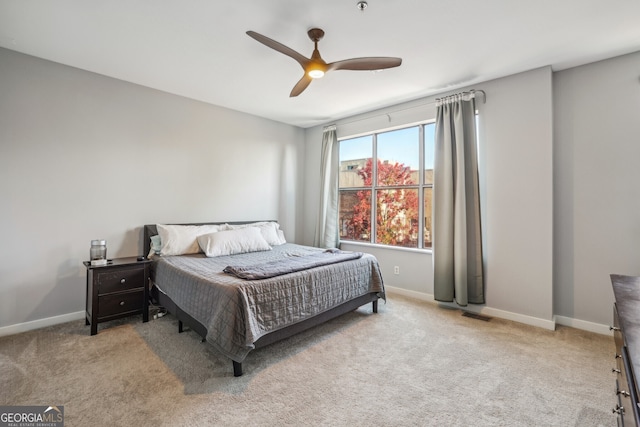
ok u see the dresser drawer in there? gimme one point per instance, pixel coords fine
(118, 304)
(627, 392)
(121, 279)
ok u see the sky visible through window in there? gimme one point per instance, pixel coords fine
(399, 146)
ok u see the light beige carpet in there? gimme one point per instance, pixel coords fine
(412, 364)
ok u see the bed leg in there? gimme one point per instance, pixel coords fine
(374, 306)
(179, 326)
(237, 369)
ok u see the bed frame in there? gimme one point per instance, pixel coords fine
(185, 319)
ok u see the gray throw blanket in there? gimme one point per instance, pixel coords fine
(291, 264)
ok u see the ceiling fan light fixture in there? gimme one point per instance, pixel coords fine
(315, 73)
(316, 67)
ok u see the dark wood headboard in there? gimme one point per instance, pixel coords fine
(151, 230)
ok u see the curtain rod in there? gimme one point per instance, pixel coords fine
(467, 96)
(471, 92)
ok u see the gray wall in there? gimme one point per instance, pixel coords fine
(515, 136)
(597, 184)
(84, 156)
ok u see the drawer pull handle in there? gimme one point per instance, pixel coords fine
(618, 410)
(618, 356)
(617, 371)
(614, 328)
(624, 393)
(121, 302)
(123, 280)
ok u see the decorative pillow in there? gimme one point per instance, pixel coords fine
(229, 242)
(156, 245)
(182, 239)
(269, 229)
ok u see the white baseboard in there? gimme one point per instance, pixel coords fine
(486, 311)
(411, 294)
(584, 325)
(40, 323)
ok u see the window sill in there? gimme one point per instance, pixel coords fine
(387, 247)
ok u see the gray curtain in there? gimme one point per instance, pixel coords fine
(457, 243)
(327, 235)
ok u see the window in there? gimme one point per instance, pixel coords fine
(386, 181)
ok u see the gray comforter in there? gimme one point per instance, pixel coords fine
(238, 312)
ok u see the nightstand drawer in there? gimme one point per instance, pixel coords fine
(117, 304)
(118, 280)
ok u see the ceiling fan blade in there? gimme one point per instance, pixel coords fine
(302, 60)
(370, 63)
(300, 86)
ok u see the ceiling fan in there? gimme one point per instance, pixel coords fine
(315, 67)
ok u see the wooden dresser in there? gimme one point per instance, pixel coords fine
(626, 333)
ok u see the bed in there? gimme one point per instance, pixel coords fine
(236, 302)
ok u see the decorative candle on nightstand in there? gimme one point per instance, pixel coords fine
(98, 253)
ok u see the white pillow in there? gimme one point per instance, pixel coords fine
(242, 240)
(270, 231)
(182, 239)
(281, 237)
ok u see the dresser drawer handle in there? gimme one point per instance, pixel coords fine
(614, 328)
(121, 303)
(624, 393)
(618, 356)
(123, 280)
(617, 371)
(618, 410)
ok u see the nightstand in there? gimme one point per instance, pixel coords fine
(118, 289)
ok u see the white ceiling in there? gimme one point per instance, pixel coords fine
(199, 49)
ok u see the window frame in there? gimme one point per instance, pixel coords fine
(375, 187)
